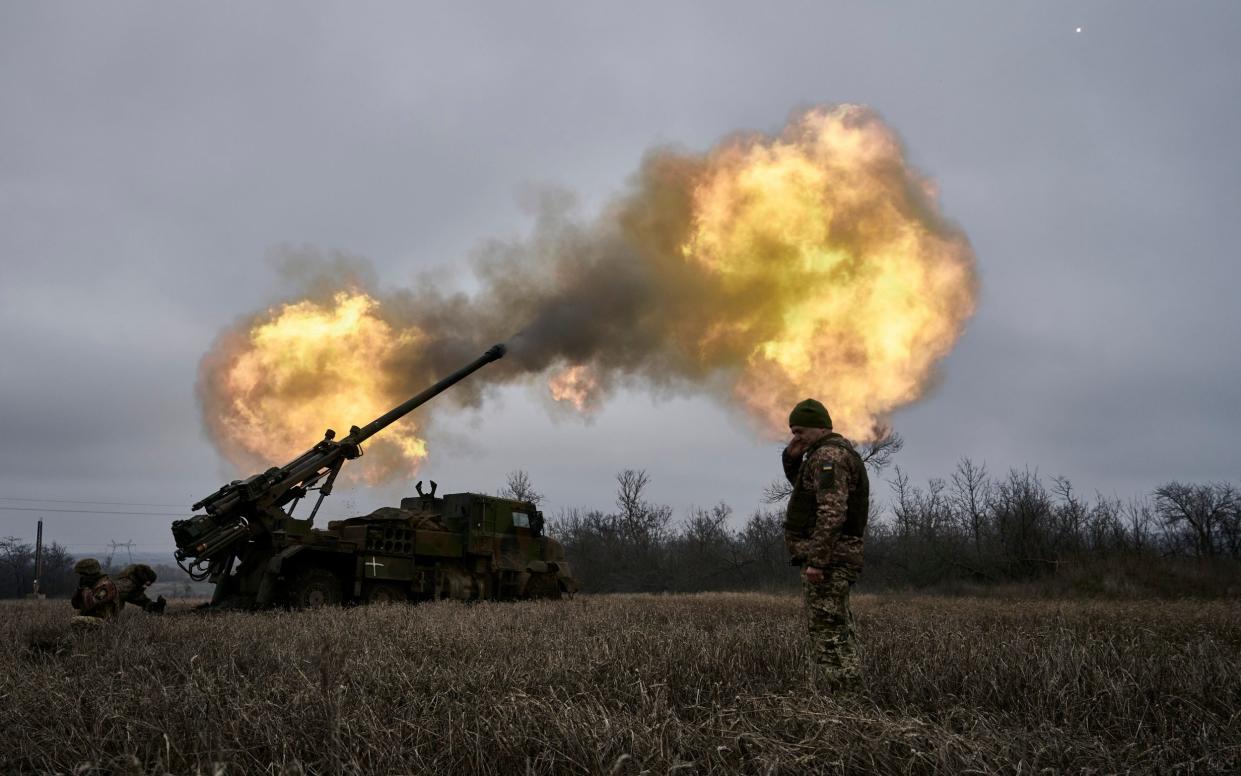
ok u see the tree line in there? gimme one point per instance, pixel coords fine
(17, 569)
(969, 528)
(1021, 526)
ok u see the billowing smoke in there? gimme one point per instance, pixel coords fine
(768, 269)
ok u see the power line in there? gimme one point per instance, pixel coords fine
(71, 501)
(149, 514)
(323, 518)
(93, 511)
(104, 546)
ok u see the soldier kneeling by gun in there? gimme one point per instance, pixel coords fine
(131, 586)
(99, 599)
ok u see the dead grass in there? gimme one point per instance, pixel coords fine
(625, 684)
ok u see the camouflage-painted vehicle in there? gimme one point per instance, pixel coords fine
(464, 546)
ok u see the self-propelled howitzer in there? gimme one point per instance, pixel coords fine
(249, 544)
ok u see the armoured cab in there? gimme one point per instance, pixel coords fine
(464, 546)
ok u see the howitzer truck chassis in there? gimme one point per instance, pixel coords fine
(463, 546)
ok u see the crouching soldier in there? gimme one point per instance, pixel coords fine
(96, 598)
(131, 585)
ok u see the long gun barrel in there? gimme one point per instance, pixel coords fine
(244, 509)
(359, 435)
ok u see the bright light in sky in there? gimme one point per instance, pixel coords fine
(1079, 29)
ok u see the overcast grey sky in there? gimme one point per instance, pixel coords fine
(153, 154)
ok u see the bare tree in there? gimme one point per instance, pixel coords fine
(905, 509)
(763, 540)
(1230, 522)
(876, 455)
(16, 565)
(970, 491)
(1103, 529)
(936, 510)
(1208, 511)
(58, 577)
(519, 488)
(1138, 516)
(777, 490)
(630, 484)
(707, 553)
(879, 453)
(1022, 512)
(707, 528)
(1070, 515)
(643, 522)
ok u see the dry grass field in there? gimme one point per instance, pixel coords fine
(625, 684)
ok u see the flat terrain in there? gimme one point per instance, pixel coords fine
(625, 684)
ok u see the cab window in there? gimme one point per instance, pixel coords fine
(521, 520)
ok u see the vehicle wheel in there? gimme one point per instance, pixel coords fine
(385, 594)
(314, 588)
(543, 586)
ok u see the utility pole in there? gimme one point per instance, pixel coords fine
(38, 562)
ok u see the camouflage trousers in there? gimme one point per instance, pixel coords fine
(835, 655)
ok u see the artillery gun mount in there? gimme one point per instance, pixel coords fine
(464, 546)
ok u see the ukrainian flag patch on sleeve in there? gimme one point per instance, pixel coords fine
(827, 476)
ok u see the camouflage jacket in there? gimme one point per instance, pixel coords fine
(128, 590)
(96, 598)
(827, 511)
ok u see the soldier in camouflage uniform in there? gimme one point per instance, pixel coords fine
(96, 599)
(823, 533)
(131, 585)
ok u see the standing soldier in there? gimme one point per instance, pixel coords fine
(823, 533)
(131, 585)
(96, 596)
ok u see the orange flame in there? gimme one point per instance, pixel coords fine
(860, 298)
(577, 386)
(303, 367)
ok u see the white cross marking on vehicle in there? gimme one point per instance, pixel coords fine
(374, 565)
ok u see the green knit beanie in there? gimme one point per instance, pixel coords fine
(810, 414)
